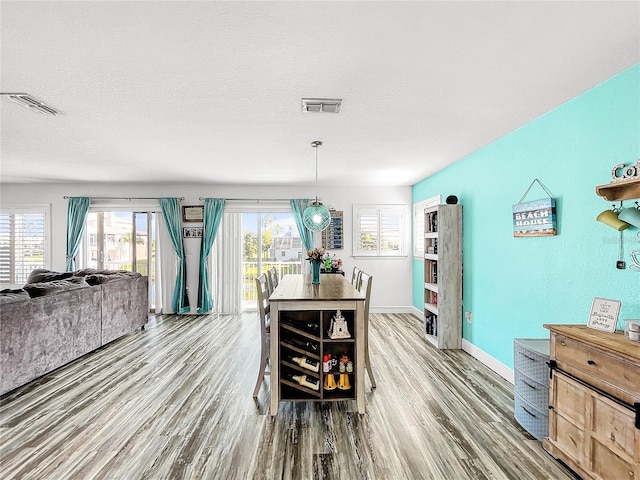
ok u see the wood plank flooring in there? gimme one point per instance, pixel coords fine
(174, 401)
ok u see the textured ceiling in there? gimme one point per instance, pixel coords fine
(210, 92)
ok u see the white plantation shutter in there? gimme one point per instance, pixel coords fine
(390, 231)
(368, 231)
(23, 243)
(378, 230)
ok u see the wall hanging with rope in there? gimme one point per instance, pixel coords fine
(536, 218)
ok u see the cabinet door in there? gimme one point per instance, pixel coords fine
(567, 418)
(614, 442)
(593, 434)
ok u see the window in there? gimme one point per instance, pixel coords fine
(418, 224)
(378, 230)
(24, 242)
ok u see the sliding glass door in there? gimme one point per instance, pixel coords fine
(123, 240)
(269, 239)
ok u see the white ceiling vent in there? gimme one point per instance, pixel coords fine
(321, 105)
(31, 103)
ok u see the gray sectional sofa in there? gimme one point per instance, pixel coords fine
(58, 317)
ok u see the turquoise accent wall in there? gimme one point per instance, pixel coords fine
(512, 286)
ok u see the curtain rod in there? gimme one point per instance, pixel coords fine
(126, 198)
(257, 200)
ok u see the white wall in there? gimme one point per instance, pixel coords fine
(391, 290)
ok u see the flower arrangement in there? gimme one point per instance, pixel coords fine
(316, 255)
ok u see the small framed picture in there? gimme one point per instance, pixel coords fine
(604, 314)
(194, 213)
(192, 232)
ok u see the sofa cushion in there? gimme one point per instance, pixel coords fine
(43, 275)
(45, 288)
(94, 271)
(8, 296)
(100, 278)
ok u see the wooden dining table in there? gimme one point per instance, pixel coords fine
(297, 306)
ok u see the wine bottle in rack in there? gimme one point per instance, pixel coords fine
(305, 381)
(309, 327)
(307, 345)
(304, 362)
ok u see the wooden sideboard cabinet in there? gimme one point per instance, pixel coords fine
(594, 402)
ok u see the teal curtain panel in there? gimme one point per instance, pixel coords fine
(171, 213)
(213, 209)
(76, 223)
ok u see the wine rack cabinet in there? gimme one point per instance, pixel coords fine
(304, 336)
(301, 316)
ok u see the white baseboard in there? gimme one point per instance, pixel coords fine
(380, 309)
(498, 367)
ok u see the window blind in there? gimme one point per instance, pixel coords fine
(23, 245)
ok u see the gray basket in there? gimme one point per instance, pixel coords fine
(530, 362)
(532, 420)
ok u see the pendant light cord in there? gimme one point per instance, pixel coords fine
(315, 144)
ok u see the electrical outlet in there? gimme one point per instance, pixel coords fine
(620, 265)
(468, 316)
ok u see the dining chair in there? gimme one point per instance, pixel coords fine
(355, 277)
(273, 278)
(365, 287)
(270, 286)
(262, 287)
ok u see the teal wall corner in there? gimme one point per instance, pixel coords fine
(513, 286)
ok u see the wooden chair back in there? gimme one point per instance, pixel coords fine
(264, 317)
(355, 277)
(272, 277)
(264, 309)
(366, 281)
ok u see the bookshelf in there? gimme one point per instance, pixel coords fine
(443, 276)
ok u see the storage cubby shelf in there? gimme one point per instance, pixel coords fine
(431, 307)
(300, 388)
(337, 347)
(431, 286)
(301, 370)
(300, 332)
(301, 351)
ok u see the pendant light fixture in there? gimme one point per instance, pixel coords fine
(316, 217)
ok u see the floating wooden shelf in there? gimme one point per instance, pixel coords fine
(623, 190)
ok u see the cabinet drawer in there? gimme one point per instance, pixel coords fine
(611, 374)
(533, 392)
(533, 364)
(534, 421)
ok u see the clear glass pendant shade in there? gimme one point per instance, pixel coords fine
(316, 217)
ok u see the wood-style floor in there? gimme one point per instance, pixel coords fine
(174, 401)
